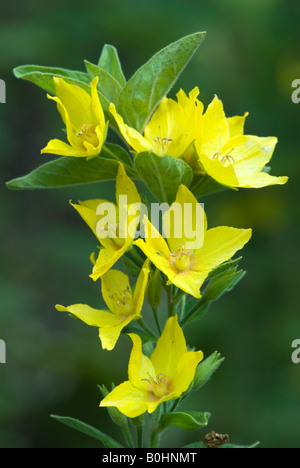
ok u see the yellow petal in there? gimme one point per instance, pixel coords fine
(174, 125)
(220, 244)
(107, 258)
(171, 346)
(76, 101)
(116, 292)
(236, 125)
(250, 153)
(185, 371)
(62, 149)
(129, 400)
(189, 281)
(140, 287)
(97, 111)
(140, 367)
(185, 222)
(109, 335)
(133, 138)
(88, 212)
(90, 316)
(215, 129)
(155, 247)
(225, 175)
(260, 179)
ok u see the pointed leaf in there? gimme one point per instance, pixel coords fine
(206, 369)
(118, 153)
(223, 283)
(143, 92)
(90, 431)
(240, 446)
(163, 174)
(188, 420)
(109, 61)
(66, 171)
(43, 77)
(107, 85)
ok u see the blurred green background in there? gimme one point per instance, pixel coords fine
(249, 58)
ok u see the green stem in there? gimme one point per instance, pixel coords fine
(154, 440)
(137, 257)
(170, 301)
(147, 330)
(127, 434)
(192, 312)
(182, 308)
(140, 436)
(157, 320)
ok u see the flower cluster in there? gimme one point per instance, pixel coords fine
(174, 147)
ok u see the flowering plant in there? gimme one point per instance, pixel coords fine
(180, 153)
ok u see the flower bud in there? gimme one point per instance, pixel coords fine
(154, 290)
(206, 369)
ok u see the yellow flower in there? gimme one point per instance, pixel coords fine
(162, 377)
(187, 268)
(116, 234)
(230, 157)
(84, 119)
(172, 128)
(124, 305)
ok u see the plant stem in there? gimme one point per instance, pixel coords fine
(127, 434)
(147, 330)
(140, 436)
(170, 301)
(182, 308)
(157, 320)
(154, 440)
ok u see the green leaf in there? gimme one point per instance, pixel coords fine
(90, 431)
(107, 85)
(196, 445)
(43, 76)
(163, 174)
(206, 369)
(143, 92)
(203, 184)
(131, 268)
(109, 61)
(223, 283)
(240, 446)
(225, 266)
(66, 171)
(189, 420)
(116, 152)
(220, 281)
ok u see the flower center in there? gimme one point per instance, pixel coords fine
(182, 259)
(123, 300)
(162, 144)
(158, 386)
(226, 160)
(113, 232)
(88, 133)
